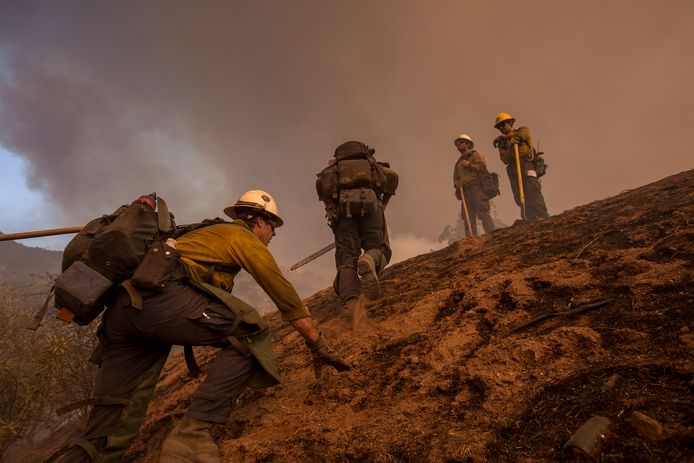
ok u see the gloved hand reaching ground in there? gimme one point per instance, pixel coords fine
(324, 355)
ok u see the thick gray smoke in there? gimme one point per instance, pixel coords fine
(200, 101)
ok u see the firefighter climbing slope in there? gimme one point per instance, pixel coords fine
(356, 189)
(193, 306)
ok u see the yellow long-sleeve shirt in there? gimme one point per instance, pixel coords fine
(232, 247)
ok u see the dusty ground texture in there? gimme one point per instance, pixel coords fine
(439, 376)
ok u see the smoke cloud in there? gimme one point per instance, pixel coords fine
(202, 101)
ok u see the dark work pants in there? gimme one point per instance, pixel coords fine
(135, 340)
(351, 236)
(477, 207)
(535, 207)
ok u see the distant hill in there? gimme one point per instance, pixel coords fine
(18, 263)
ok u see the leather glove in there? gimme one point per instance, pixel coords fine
(514, 140)
(458, 194)
(324, 355)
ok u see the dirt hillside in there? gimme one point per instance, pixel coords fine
(441, 376)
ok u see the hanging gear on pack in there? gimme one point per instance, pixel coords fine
(540, 164)
(490, 184)
(107, 253)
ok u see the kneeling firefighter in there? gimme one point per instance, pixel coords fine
(356, 189)
(196, 308)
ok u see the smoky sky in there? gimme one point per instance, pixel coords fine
(201, 101)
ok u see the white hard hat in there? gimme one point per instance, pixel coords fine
(464, 136)
(257, 200)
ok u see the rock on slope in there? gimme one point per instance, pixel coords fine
(438, 376)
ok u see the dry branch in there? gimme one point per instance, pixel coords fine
(612, 230)
(566, 313)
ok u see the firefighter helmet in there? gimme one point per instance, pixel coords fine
(503, 117)
(255, 200)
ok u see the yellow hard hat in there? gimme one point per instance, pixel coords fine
(256, 200)
(503, 117)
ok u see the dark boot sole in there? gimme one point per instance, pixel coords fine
(371, 287)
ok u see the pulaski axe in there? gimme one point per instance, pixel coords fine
(315, 255)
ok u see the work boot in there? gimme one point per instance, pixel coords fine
(366, 267)
(357, 312)
(190, 442)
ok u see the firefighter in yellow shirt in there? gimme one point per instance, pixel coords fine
(196, 308)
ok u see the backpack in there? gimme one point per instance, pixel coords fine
(124, 249)
(490, 184)
(539, 160)
(353, 181)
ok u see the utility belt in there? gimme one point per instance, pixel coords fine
(540, 165)
(531, 166)
(475, 181)
(357, 202)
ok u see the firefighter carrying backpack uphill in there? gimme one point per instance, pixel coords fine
(354, 181)
(124, 249)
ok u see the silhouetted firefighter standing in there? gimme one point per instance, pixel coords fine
(524, 166)
(469, 170)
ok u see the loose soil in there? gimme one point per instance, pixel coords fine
(438, 377)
